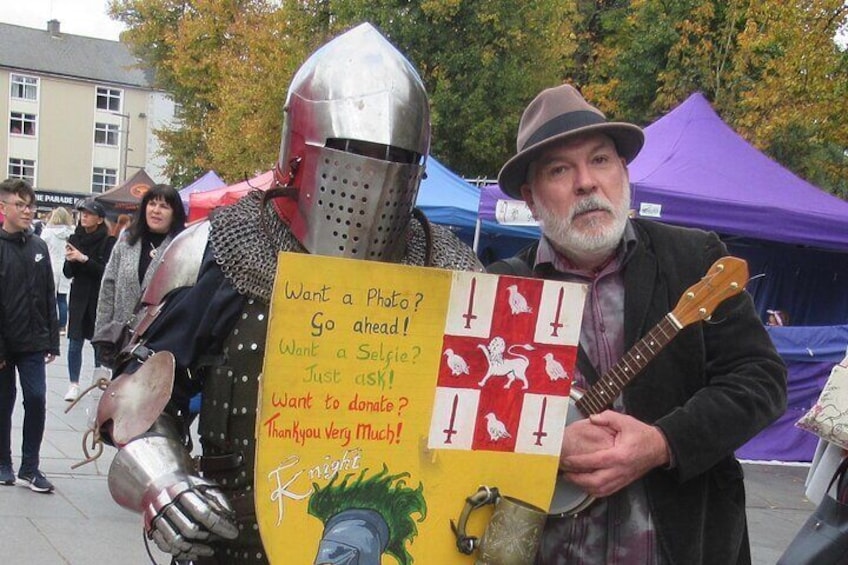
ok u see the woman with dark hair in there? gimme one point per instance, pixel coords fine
(86, 255)
(159, 218)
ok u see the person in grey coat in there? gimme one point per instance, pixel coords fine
(160, 217)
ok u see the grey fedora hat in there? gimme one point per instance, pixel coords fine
(556, 114)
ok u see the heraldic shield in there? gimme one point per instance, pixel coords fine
(390, 392)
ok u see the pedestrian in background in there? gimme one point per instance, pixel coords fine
(121, 224)
(86, 256)
(160, 217)
(29, 332)
(59, 228)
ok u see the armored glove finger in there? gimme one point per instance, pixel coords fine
(195, 509)
(207, 506)
(168, 539)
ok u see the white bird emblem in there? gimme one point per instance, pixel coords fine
(554, 368)
(496, 428)
(456, 363)
(517, 302)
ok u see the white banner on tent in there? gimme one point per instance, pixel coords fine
(514, 213)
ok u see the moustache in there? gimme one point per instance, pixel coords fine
(590, 204)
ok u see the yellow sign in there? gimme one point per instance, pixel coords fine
(391, 393)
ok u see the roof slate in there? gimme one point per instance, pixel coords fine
(73, 56)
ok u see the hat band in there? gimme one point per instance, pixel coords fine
(563, 124)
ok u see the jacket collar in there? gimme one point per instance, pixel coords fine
(640, 278)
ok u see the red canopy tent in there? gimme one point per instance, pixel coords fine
(201, 203)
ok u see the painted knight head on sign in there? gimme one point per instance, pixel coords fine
(354, 143)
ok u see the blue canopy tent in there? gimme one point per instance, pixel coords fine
(446, 199)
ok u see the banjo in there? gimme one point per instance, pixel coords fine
(725, 278)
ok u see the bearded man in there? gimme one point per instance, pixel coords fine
(661, 462)
(354, 144)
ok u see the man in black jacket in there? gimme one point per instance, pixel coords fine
(661, 462)
(29, 331)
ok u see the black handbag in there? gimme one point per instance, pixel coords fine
(823, 539)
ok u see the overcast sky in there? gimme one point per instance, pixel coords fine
(78, 17)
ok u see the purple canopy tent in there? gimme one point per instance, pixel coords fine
(810, 353)
(696, 171)
(209, 181)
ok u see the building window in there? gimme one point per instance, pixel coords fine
(24, 87)
(22, 124)
(22, 169)
(106, 134)
(103, 179)
(108, 99)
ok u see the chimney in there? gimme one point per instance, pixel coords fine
(53, 27)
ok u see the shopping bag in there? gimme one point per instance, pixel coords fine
(823, 539)
(828, 418)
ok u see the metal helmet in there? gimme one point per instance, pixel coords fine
(355, 141)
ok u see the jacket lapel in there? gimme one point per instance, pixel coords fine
(640, 278)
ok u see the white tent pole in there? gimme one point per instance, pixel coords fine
(476, 235)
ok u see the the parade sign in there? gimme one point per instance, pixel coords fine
(392, 393)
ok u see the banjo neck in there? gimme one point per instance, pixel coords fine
(602, 394)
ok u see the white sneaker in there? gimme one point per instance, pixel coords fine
(73, 393)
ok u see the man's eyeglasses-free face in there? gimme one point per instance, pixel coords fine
(21, 206)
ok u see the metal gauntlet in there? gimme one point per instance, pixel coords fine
(182, 512)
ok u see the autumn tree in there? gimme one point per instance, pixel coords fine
(227, 66)
(771, 69)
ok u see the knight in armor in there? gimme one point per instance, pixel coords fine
(354, 145)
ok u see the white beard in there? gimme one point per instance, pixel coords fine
(591, 243)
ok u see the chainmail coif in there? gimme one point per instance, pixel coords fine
(246, 243)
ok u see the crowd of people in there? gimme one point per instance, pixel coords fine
(65, 281)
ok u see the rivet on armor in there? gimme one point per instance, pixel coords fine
(244, 316)
(253, 346)
(244, 378)
(235, 331)
(250, 301)
(230, 373)
(240, 346)
(260, 317)
(244, 410)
